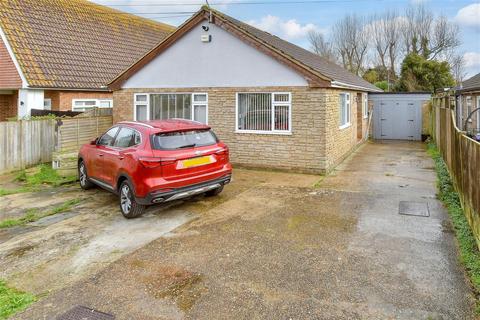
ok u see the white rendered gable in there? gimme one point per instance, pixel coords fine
(226, 61)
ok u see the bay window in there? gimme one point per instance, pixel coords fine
(264, 112)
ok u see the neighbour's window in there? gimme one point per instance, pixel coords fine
(81, 105)
(183, 139)
(47, 104)
(365, 105)
(108, 137)
(344, 110)
(159, 106)
(469, 106)
(126, 138)
(264, 112)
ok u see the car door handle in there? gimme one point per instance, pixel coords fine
(121, 157)
(100, 155)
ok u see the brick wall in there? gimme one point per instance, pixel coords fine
(9, 77)
(62, 100)
(8, 106)
(302, 151)
(340, 142)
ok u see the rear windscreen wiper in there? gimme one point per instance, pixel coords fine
(187, 146)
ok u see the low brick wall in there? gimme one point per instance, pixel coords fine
(310, 148)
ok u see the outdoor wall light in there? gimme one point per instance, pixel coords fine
(205, 28)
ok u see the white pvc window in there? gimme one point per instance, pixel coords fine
(478, 114)
(345, 110)
(160, 106)
(47, 104)
(87, 104)
(365, 106)
(140, 107)
(264, 112)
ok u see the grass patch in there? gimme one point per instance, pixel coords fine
(46, 175)
(469, 253)
(12, 300)
(35, 214)
(41, 175)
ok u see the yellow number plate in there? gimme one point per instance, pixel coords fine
(195, 162)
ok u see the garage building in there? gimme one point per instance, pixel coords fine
(400, 116)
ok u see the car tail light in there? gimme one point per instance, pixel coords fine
(151, 163)
(223, 153)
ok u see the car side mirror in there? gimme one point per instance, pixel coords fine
(94, 141)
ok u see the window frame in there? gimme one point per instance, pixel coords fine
(365, 105)
(49, 104)
(123, 148)
(348, 112)
(274, 104)
(97, 104)
(477, 100)
(113, 140)
(147, 103)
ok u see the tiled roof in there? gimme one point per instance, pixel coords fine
(75, 44)
(306, 61)
(308, 58)
(471, 84)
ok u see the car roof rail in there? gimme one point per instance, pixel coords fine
(137, 123)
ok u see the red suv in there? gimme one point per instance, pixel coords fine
(155, 161)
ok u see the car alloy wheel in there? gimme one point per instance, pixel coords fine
(83, 175)
(125, 199)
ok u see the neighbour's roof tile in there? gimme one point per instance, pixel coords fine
(75, 44)
(472, 83)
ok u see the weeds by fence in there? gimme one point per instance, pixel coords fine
(462, 157)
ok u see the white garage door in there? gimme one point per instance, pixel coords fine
(397, 117)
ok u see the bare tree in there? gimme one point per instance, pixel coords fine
(385, 33)
(351, 42)
(320, 46)
(377, 29)
(428, 36)
(444, 37)
(393, 36)
(457, 66)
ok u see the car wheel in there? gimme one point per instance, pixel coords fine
(85, 183)
(214, 192)
(129, 207)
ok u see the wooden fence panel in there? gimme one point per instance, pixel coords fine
(26, 143)
(72, 133)
(462, 157)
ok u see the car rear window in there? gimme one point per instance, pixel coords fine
(183, 139)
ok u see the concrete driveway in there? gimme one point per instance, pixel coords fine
(272, 246)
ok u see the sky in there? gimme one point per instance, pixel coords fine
(292, 21)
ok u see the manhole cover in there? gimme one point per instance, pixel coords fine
(412, 208)
(84, 313)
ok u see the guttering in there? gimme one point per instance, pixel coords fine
(72, 89)
(338, 84)
(14, 58)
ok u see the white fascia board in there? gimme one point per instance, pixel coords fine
(341, 85)
(14, 59)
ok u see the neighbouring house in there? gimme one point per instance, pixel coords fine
(275, 104)
(468, 103)
(61, 54)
